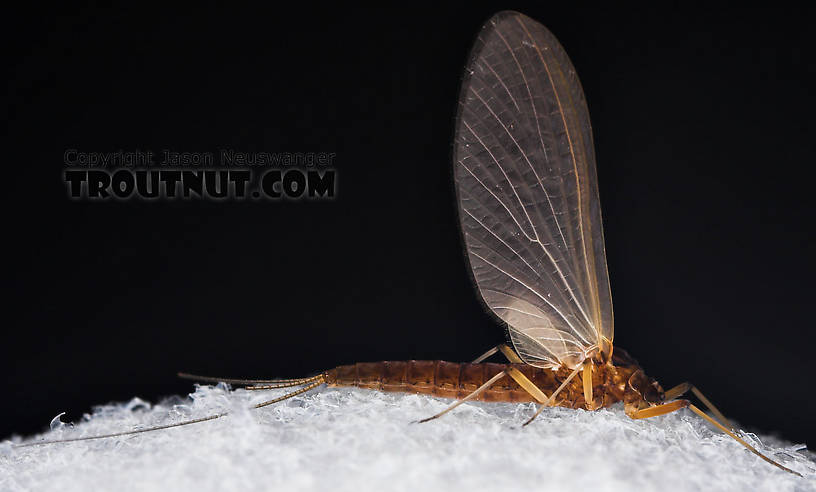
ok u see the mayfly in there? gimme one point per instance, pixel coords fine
(527, 195)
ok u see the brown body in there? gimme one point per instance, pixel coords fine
(611, 383)
(614, 379)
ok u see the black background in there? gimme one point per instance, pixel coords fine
(705, 143)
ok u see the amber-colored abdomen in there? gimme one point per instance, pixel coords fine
(438, 378)
(457, 380)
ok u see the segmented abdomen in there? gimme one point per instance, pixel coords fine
(440, 378)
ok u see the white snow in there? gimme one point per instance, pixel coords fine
(350, 439)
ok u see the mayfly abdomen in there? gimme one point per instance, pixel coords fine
(444, 379)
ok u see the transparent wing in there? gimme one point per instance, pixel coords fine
(527, 190)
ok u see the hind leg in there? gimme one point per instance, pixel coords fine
(476, 393)
(514, 373)
(522, 380)
(505, 350)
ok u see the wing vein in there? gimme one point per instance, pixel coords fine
(544, 190)
(592, 283)
(554, 308)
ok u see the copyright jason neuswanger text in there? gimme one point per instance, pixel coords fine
(226, 174)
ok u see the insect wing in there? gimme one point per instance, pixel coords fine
(524, 166)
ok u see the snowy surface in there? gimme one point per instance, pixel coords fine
(349, 439)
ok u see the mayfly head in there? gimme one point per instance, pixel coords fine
(642, 392)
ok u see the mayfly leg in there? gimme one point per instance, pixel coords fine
(678, 404)
(476, 393)
(514, 373)
(519, 377)
(525, 382)
(522, 380)
(551, 399)
(587, 383)
(527, 385)
(658, 410)
(683, 388)
(504, 349)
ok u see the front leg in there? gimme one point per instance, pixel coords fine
(683, 388)
(663, 409)
(678, 404)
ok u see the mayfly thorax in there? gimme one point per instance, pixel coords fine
(527, 195)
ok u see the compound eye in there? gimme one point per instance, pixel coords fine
(653, 393)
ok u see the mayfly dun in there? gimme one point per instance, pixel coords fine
(527, 195)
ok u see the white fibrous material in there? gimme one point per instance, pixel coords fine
(352, 439)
